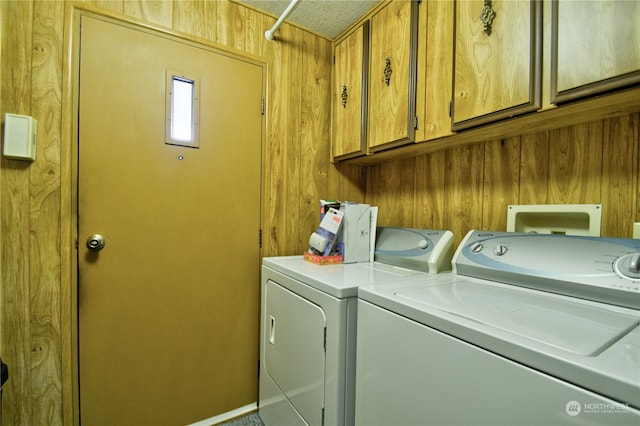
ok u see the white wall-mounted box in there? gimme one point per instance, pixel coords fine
(354, 236)
(20, 135)
(569, 219)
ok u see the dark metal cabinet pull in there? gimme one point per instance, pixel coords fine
(387, 71)
(487, 16)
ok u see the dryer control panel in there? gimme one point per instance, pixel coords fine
(601, 269)
(423, 250)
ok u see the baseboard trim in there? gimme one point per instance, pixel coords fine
(229, 415)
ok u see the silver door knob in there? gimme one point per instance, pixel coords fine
(96, 242)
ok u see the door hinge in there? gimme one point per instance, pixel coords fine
(262, 106)
(450, 108)
(415, 123)
(322, 416)
(260, 238)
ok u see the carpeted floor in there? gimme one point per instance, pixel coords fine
(249, 420)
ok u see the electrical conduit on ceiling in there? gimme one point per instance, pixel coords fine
(269, 33)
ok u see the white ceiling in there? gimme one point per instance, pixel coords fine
(328, 18)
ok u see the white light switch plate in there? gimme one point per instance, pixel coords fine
(636, 230)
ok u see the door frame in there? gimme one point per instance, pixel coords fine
(69, 238)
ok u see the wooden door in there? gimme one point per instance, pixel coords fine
(497, 60)
(350, 95)
(169, 308)
(392, 75)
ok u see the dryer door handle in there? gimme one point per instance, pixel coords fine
(272, 329)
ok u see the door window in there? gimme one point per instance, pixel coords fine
(182, 110)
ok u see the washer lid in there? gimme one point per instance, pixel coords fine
(578, 328)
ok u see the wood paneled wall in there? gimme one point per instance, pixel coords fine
(470, 187)
(458, 189)
(36, 232)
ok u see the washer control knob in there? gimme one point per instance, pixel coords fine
(629, 265)
(476, 247)
(423, 244)
(500, 249)
(634, 263)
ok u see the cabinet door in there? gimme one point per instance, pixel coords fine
(392, 75)
(497, 60)
(350, 95)
(595, 47)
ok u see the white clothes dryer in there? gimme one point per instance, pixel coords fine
(308, 324)
(528, 329)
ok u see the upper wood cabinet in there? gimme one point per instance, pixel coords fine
(392, 75)
(595, 47)
(349, 99)
(497, 60)
(435, 69)
(466, 71)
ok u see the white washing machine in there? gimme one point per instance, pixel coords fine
(527, 330)
(308, 324)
